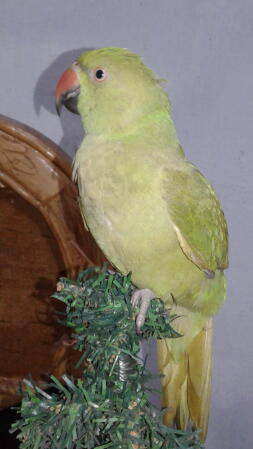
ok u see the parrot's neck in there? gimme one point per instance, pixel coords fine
(157, 120)
(152, 127)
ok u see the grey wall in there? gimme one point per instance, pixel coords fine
(204, 49)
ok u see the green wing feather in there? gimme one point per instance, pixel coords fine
(197, 217)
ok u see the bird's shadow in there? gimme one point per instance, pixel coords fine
(44, 98)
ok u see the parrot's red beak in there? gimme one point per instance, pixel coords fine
(67, 90)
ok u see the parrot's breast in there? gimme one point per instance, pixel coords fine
(122, 203)
(123, 209)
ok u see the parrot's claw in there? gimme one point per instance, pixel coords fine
(141, 298)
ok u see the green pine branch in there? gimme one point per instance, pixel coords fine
(108, 406)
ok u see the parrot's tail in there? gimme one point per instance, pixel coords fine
(186, 378)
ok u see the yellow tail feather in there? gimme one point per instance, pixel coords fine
(186, 378)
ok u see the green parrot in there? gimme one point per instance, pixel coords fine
(152, 213)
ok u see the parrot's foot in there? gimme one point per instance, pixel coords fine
(141, 297)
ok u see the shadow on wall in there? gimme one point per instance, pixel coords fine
(44, 97)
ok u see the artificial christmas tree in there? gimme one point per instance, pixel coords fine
(108, 406)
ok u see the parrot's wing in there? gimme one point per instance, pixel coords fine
(83, 216)
(197, 218)
(75, 179)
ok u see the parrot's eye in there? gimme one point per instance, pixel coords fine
(100, 74)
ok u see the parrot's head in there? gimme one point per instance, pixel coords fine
(110, 88)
